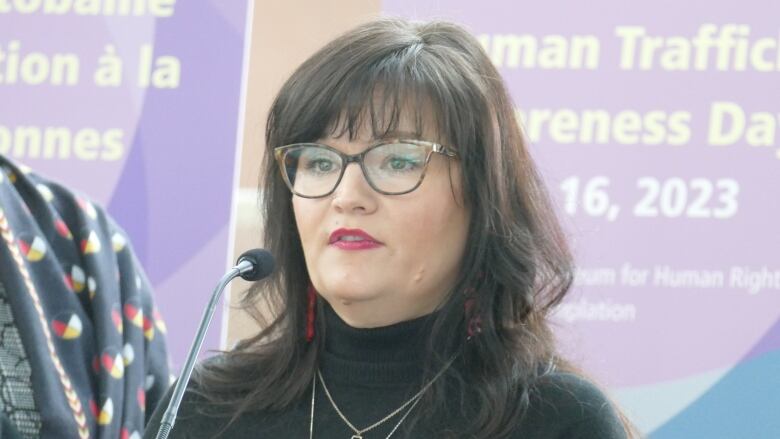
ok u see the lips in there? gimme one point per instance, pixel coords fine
(353, 239)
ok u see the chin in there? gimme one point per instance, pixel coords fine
(346, 281)
(347, 297)
(348, 293)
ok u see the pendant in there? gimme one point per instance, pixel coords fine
(356, 436)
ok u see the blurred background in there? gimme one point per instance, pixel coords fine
(655, 125)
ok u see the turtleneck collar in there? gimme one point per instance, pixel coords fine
(388, 355)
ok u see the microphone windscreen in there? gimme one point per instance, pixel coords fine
(262, 263)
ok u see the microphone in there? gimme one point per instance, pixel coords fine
(261, 263)
(252, 265)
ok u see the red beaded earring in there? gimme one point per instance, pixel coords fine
(473, 319)
(311, 309)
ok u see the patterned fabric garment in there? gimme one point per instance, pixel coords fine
(16, 392)
(83, 312)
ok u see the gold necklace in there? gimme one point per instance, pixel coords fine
(358, 433)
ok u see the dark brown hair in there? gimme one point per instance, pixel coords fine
(517, 265)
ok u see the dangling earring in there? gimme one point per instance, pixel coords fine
(311, 309)
(473, 319)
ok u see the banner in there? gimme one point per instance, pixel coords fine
(136, 104)
(656, 128)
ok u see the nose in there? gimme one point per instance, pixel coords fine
(354, 194)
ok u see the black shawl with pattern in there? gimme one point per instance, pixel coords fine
(82, 351)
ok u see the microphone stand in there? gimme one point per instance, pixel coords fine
(169, 418)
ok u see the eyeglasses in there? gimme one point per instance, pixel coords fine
(396, 167)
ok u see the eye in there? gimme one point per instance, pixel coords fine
(321, 165)
(398, 163)
(401, 163)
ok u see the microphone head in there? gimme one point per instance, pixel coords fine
(262, 264)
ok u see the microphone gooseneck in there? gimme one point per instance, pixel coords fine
(252, 265)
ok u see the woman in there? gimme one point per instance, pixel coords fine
(413, 288)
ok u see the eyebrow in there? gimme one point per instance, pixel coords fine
(397, 134)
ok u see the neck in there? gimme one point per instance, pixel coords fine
(391, 354)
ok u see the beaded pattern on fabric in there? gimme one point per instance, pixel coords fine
(16, 394)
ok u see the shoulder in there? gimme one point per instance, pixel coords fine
(565, 405)
(569, 391)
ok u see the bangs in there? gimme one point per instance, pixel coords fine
(384, 90)
(386, 104)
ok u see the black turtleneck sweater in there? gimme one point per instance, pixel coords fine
(370, 373)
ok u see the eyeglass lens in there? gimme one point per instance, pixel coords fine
(392, 168)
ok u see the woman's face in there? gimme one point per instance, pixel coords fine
(418, 240)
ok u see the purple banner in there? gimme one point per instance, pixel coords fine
(137, 105)
(656, 128)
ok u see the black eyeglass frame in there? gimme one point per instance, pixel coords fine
(346, 159)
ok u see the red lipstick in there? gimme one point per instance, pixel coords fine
(353, 239)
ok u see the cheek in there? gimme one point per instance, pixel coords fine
(306, 219)
(298, 212)
(433, 238)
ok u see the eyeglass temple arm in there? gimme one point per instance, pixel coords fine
(437, 147)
